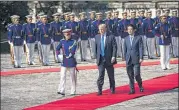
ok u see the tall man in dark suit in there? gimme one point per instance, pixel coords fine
(133, 55)
(105, 51)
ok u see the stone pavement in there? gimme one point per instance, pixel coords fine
(26, 90)
(21, 91)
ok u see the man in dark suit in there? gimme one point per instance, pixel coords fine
(133, 54)
(105, 51)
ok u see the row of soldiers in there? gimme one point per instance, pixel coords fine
(84, 31)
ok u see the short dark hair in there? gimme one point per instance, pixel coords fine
(131, 25)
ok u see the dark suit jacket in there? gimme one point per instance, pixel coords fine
(134, 51)
(110, 48)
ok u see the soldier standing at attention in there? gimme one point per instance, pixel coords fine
(148, 27)
(45, 39)
(163, 31)
(91, 34)
(30, 38)
(56, 29)
(68, 46)
(83, 27)
(134, 21)
(109, 22)
(122, 30)
(17, 40)
(157, 20)
(174, 21)
(117, 35)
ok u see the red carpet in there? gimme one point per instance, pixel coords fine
(55, 69)
(91, 101)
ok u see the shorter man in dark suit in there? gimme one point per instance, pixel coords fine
(105, 51)
(133, 55)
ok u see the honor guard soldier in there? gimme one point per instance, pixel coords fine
(115, 31)
(38, 22)
(83, 27)
(8, 37)
(68, 46)
(167, 12)
(163, 31)
(91, 34)
(148, 27)
(96, 23)
(109, 22)
(72, 24)
(57, 35)
(122, 30)
(17, 40)
(66, 18)
(30, 38)
(140, 21)
(174, 21)
(45, 39)
(134, 21)
(157, 20)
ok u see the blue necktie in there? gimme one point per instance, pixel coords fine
(102, 45)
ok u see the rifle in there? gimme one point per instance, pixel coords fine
(156, 54)
(54, 52)
(147, 49)
(26, 50)
(122, 50)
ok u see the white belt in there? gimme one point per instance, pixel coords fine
(17, 37)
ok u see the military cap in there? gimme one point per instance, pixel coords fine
(116, 11)
(41, 13)
(67, 13)
(149, 11)
(166, 9)
(28, 16)
(66, 30)
(15, 17)
(133, 11)
(72, 14)
(174, 10)
(99, 13)
(163, 15)
(82, 13)
(107, 12)
(56, 14)
(92, 12)
(141, 10)
(43, 16)
(125, 12)
(158, 10)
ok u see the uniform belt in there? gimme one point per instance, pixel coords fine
(30, 35)
(149, 30)
(17, 37)
(57, 33)
(176, 28)
(84, 32)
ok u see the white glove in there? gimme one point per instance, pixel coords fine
(36, 42)
(52, 41)
(69, 55)
(24, 42)
(60, 57)
(72, 33)
(113, 59)
(79, 39)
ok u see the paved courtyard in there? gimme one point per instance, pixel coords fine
(22, 91)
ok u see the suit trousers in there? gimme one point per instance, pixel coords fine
(18, 52)
(119, 48)
(110, 71)
(84, 47)
(92, 47)
(31, 48)
(133, 70)
(175, 46)
(71, 71)
(55, 44)
(46, 53)
(165, 56)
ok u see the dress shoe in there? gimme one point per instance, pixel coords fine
(132, 92)
(165, 69)
(72, 94)
(99, 93)
(141, 89)
(60, 93)
(19, 67)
